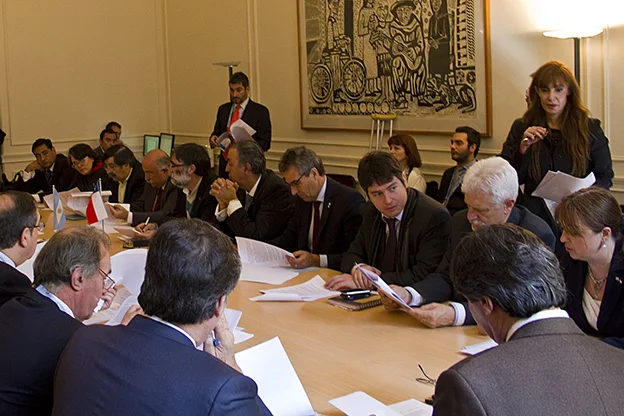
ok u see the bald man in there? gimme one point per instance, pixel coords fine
(161, 200)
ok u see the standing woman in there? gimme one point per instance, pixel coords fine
(556, 133)
(89, 168)
(593, 262)
(404, 150)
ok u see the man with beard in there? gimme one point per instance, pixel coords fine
(464, 149)
(126, 177)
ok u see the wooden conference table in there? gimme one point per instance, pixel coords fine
(336, 352)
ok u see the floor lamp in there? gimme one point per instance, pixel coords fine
(577, 34)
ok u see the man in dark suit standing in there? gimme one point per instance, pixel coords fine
(50, 169)
(327, 214)
(404, 232)
(544, 364)
(161, 199)
(243, 108)
(166, 362)
(491, 189)
(465, 145)
(20, 224)
(125, 173)
(71, 275)
(255, 203)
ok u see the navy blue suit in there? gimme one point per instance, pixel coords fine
(12, 283)
(147, 368)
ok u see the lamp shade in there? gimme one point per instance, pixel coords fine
(580, 32)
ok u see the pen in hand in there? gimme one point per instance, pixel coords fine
(147, 221)
(215, 340)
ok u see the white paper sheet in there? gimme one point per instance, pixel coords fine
(311, 290)
(263, 254)
(232, 316)
(412, 407)
(241, 336)
(64, 196)
(556, 185)
(361, 404)
(108, 314)
(110, 214)
(382, 286)
(27, 266)
(121, 312)
(126, 231)
(279, 386)
(240, 123)
(270, 275)
(477, 348)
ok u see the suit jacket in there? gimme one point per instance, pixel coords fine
(548, 367)
(99, 152)
(172, 204)
(456, 201)
(34, 332)
(423, 237)
(256, 115)
(268, 214)
(135, 185)
(611, 316)
(341, 218)
(205, 205)
(437, 287)
(147, 368)
(62, 177)
(12, 283)
(86, 183)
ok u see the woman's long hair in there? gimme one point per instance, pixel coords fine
(411, 150)
(574, 119)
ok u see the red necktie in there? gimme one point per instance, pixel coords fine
(235, 116)
(157, 200)
(316, 228)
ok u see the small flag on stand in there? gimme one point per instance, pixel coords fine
(59, 213)
(96, 210)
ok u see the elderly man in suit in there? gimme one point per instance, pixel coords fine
(327, 214)
(243, 108)
(161, 199)
(166, 362)
(50, 169)
(255, 203)
(20, 224)
(544, 364)
(126, 173)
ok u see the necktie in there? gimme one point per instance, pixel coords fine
(157, 200)
(235, 115)
(248, 201)
(455, 180)
(48, 176)
(316, 227)
(391, 244)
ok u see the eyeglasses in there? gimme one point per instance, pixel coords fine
(426, 379)
(79, 162)
(39, 226)
(177, 165)
(296, 182)
(108, 281)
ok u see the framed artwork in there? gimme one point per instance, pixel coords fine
(426, 61)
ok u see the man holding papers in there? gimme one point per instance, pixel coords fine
(490, 187)
(404, 233)
(327, 214)
(165, 363)
(544, 364)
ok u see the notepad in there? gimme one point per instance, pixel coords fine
(355, 305)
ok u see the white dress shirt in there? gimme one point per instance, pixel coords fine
(7, 260)
(234, 204)
(320, 198)
(243, 105)
(545, 314)
(180, 330)
(61, 305)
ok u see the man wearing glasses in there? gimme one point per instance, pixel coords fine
(71, 276)
(19, 230)
(327, 214)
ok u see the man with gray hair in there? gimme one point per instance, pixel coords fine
(327, 214)
(544, 364)
(254, 203)
(490, 187)
(161, 199)
(71, 276)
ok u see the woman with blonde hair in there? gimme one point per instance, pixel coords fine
(592, 262)
(556, 133)
(404, 150)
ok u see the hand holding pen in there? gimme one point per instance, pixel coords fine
(221, 343)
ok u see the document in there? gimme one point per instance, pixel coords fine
(270, 275)
(279, 386)
(412, 407)
(311, 290)
(260, 253)
(382, 286)
(361, 404)
(556, 185)
(232, 316)
(103, 316)
(241, 336)
(121, 312)
(480, 347)
(64, 196)
(126, 231)
(240, 124)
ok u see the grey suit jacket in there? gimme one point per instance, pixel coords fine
(172, 205)
(548, 367)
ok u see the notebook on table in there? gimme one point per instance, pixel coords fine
(355, 305)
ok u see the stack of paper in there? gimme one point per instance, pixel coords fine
(361, 404)
(556, 185)
(264, 262)
(311, 290)
(480, 347)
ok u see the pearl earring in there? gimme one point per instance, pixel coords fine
(604, 245)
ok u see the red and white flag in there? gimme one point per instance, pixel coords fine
(95, 210)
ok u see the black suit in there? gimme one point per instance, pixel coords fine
(12, 283)
(268, 214)
(62, 177)
(172, 204)
(204, 205)
(135, 184)
(87, 183)
(437, 287)
(340, 221)
(422, 238)
(456, 200)
(33, 334)
(611, 316)
(258, 118)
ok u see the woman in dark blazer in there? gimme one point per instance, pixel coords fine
(556, 133)
(90, 169)
(592, 262)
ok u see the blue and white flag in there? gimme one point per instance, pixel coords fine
(59, 214)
